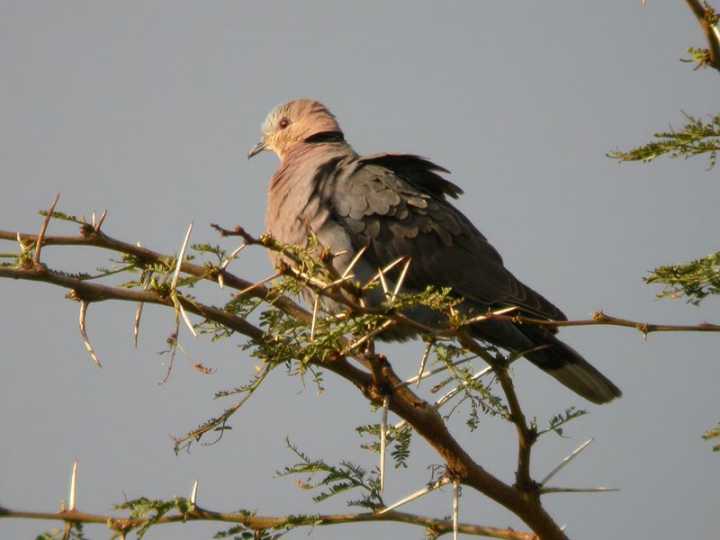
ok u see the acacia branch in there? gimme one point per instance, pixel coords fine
(601, 319)
(422, 416)
(258, 522)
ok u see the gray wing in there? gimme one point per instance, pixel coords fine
(396, 205)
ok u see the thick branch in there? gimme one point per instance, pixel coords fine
(256, 522)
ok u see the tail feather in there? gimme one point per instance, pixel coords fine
(571, 369)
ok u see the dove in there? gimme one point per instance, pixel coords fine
(399, 205)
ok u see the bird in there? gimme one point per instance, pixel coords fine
(399, 205)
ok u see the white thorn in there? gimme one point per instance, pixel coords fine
(193, 494)
(316, 304)
(72, 496)
(181, 256)
(100, 221)
(383, 282)
(353, 262)
(232, 256)
(449, 395)
(401, 279)
(386, 269)
(185, 318)
(416, 495)
(221, 281)
(567, 459)
(563, 527)
(83, 333)
(383, 440)
(455, 507)
(599, 489)
(426, 374)
(423, 362)
(502, 311)
(23, 249)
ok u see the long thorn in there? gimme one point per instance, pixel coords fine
(401, 279)
(566, 460)
(259, 283)
(367, 336)
(139, 310)
(181, 256)
(72, 495)
(100, 221)
(354, 261)
(423, 362)
(83, 333)
(384, 270)
(502, 311)
(384, 284)
(43, 230)
(432, 372)
(316, 305)
(193, 494)
(185, 317)
(455, 507)
(136, 323)
(415, 495)
(383, 440)
(232, 256)
(599, 489)
(449, 395)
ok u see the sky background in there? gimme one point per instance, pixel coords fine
(147, 109)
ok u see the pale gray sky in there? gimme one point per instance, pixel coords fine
(148, 110)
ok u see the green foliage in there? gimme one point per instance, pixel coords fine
(481, 398)
(152, 510)
(241, 532)
(697, 137)
(400, 440)
(695, 280)
(337, 479)
(75, 532)
(557, 422)
(713, 433)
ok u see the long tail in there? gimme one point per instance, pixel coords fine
(567, 366)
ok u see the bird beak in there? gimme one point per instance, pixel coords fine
(255, 150)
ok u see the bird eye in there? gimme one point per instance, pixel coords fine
(283, 123)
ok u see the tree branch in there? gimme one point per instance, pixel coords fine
(423, 417)
(258, 522)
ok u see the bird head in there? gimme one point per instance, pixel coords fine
(295, 122)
